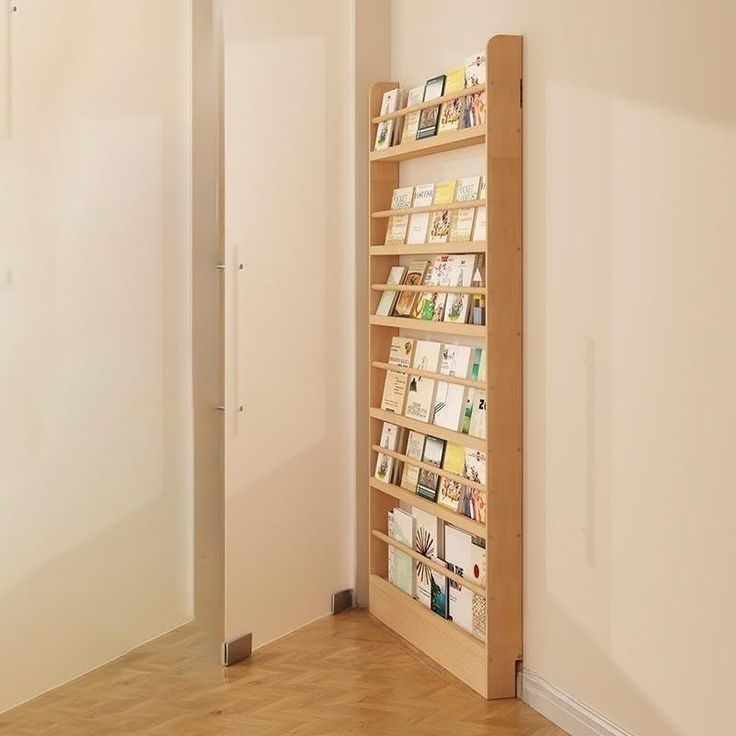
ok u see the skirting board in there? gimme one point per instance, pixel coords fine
(564, 710)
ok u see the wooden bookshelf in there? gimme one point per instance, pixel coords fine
(489, 667)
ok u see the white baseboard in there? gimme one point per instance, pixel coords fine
(564, 710)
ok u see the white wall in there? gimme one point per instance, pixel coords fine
(290, 359)
(630, 168)
(95, 435)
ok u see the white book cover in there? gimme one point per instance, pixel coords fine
(385, 463)
(388, 298)
(398, 127)
(402, 198)
(419, 221)
(475, 465)
(430, 305)
(457, 306)
(450, 397)
(411, 120)
(439, 226)
(421, 389)
(475, 69)
(479, 229)
(467, 188)
(414, 451)
(394, 387)
(385, 130)
(426, 528)
(478, 417)
(401, 568)
(461, 224)
(459, 558)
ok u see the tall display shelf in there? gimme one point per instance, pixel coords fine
(489, 667)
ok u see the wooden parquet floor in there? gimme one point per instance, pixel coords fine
(342, 675)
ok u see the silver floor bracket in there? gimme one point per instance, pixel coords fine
(237, 650)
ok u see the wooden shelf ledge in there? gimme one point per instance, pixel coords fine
(430, 288)
(430, 103)
(466, 440)
(436, 566)
(442, 512)
(426, 374)
(420, 249)
(449, 328)
(471, 203)
(436, 144)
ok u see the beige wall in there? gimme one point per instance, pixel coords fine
(95, 435)
(630, 401)
(290, 361)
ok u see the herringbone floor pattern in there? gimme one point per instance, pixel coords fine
(342, 675)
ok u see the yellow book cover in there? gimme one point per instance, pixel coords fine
(444, 192)
(455, 80)
(454, 459)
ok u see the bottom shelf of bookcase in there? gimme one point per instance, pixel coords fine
(447, 644)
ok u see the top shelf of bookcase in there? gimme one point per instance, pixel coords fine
(436, 144)
(430, 103)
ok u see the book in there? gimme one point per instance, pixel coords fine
(452, 490)
(479, 229)
(454, 459)
(451, 493)
(461, 270)
(430, 305)
(385, 130)
(411, 120)
(438, 594)
(480, 616)
(475, 465)
(477, 426)
(473, 504)
(429, 116)
(414, 451)
(415, 274)
(425, 543)
(419, 221)
(478, 310)
(396, 229)
(450, 397)
(394, 387)
(468, 411)
(421, 389)
(388, 297)
(478, 559)
(467, 189)
(477, 365)
(439, 228)
(444, 191)
(401, 572)
(402, 198)
(475, 69)
(459, 559)
(385, 463)
(398, 127)
(429, 482)
(451, 111)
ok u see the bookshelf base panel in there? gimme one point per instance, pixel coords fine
(451, 647)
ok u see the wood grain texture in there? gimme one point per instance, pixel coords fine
(345, 674)
(437, 144)
(504, 432)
